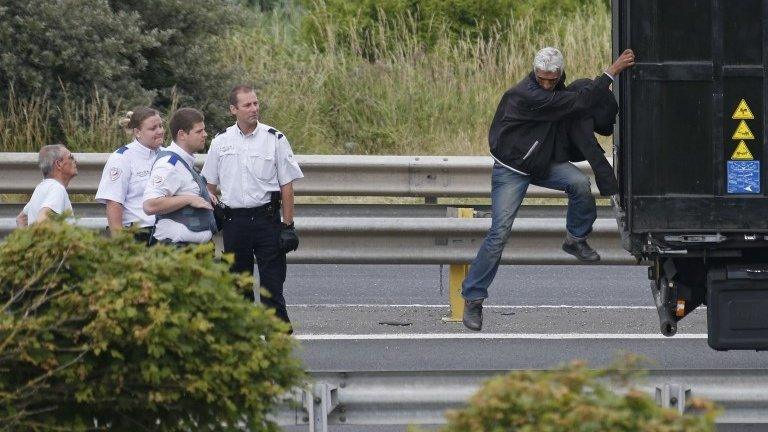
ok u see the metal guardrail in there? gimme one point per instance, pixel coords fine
(331, 175)
(426, 240)
(400, 398)
(93, 209)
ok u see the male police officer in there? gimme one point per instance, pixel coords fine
(254, 167)
(176, 193)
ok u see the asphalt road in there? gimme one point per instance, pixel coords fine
(420, 284)
(378, 318)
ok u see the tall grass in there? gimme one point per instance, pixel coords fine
(83, 126)
(407, 100)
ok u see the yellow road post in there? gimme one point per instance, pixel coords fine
(456, 274)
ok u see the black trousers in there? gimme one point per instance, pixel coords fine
(252, 238)
(144, 236)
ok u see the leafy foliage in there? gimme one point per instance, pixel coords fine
(186, 64)
(138, 51)
(52, 47)
(571, 400)
(99, 333)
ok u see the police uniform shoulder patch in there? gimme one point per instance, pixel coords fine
(275, 132)
(114, 173)
(173, 159)
(121, 150)
(157, 180)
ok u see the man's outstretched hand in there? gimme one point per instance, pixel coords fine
(625, 60)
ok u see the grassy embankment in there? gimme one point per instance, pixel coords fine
(408, 101)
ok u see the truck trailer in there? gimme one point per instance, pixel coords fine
(688, 152)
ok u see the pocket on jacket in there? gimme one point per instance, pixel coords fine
(262, 167)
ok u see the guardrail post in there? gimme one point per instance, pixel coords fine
(457, 273)
(672, 396)
(319, 402)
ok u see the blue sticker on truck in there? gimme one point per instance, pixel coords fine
(743, 177)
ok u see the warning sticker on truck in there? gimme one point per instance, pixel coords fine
(743, 177)
(742, 152)
(743, 112)
(742, 132)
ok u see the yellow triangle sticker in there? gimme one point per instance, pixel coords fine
(743, 112)
(743, 132)
(742, 152)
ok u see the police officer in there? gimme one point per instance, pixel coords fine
(253, 166)
(126, 173)
(176, 193)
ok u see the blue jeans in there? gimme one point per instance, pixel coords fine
(507, 192)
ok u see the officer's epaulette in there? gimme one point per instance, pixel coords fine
(275, 132)
(173, 159)
(121, 150)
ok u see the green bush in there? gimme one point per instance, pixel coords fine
(186, 65)
(573, 399)
(53, 47)
(137, 51)
(104, 334)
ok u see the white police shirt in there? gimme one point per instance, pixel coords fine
(124, 179)
(50, 194)
(247, 168)
(171, 179)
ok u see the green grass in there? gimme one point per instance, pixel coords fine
(408, 101)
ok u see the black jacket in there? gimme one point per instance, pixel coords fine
(576, 137)
(523, 131)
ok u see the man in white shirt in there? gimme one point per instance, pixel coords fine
(175, 193)
(50, 196)
(253, 165)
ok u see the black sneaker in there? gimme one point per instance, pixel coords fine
(473, 314)
(581, 250)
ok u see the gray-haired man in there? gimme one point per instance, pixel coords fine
(50, 196)
(522, 141)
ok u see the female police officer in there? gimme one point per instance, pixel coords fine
(127, 171)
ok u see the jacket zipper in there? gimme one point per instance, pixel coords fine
(533, 147)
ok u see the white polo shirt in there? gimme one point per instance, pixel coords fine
(170, 178)
(247, 168)
(50, 194)
(124, 179)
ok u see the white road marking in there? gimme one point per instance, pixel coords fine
(546, 336)
(371, 305)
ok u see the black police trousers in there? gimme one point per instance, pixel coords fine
(256, 235)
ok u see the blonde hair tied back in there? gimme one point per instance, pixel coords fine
(134, 118)
(125, 121)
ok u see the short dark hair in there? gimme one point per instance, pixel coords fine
(184, 119)
(236, 90)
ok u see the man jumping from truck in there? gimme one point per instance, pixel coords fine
(522, 140)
